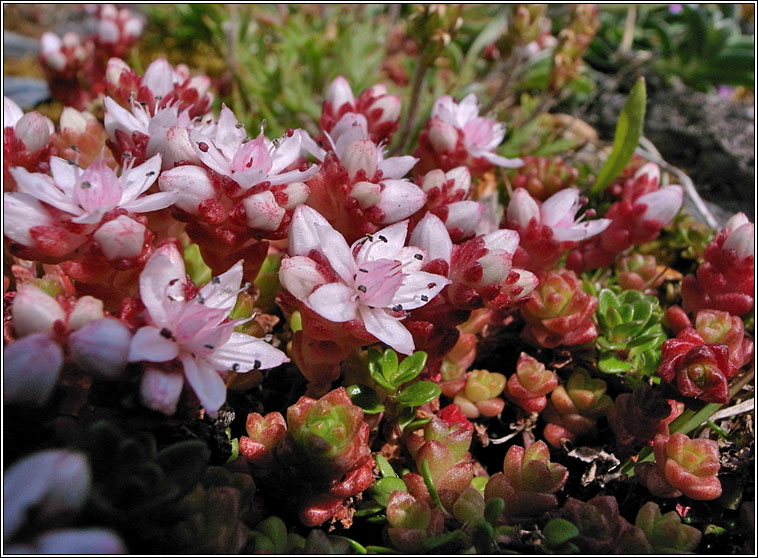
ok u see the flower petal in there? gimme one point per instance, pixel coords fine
(65, 175)
(205, 382)
(337, 251)
(136, 180)
(162, 280)
(662, 205)
(383, 244)
(397, 167)
(221, 292)
(148, 344)
(247, 353)
(229, 135)
(581, 231)
(209, 154)
(153, 202)
(399, 200)
(303, 235)
(160, 390)
(387, 329)
(419, 288)
(300, 276)
(560, 208)
(12, 113)
(21, 212)
(42, 187)
(158, 78)
(334, 301)
(431, 235)
(286, 153)
(501, 161)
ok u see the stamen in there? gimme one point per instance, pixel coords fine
(208, 346)
(235, 366)
(362, 288)
(256, 364)
(418, 257)
(166, 332)
(383, 238)
(425, 298)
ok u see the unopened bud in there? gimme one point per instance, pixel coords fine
(34, 311)
(442, 135)
(75, 120)
(390, 107)
(121, 238)
(86, 309)
(101, 347)
(31, 367)
(34, 131)
(160, 390)
(191, 182)
(360, 155)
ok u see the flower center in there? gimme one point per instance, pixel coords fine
(377, 281)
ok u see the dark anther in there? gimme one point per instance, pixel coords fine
(236, 366)
(208, 346)
(151, 173)
(215, 280)
(382, 238)
(362, 270)
(173, 282)
(431, 285)
(202, 146)
(418, 256)
(256, 364)
(397, 307)
(362, 288)
(166, 332)
(425, 298)
(84, 185)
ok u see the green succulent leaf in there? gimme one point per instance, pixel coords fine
(559, 531)
(365, 398)
(419, 393)
(410, 368)
(384, 487)
(385, 468)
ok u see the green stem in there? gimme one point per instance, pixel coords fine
(427, 474)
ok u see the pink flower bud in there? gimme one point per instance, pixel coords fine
(741, 240)
(33, 130)
(736, 221)
(191, 182)
(662, 205)
(360, 155)
(263, 212)
(522, 208)
(400, 199)
(300, 276)
(75, 120)
(433, 179)
(160, 390)
(107, 31)
(297, 194)
(121, 239)
(12, 113)
(339, 93)
(461, 177)
(133, 27)
(367, 194)
(443, 136)
(390, 107)
(174, 145)
(464, 216)
(34, 311)
(85, 310)
(31, 367)
(652, 171)
(101, 347)
(113, 71)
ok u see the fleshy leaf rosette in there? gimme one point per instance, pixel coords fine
(530, 384)
(559, 312)
(682, 466)
(480, 394)
(665, 532)
(263, 435)
(602, 530)
(544, 176)
(528, 482)
(698, 369)
(573, 408)
(411, 520)
(631, 334)
(444, 447)
(725, 280)
(639, 272)
(715, 326)
(638, 416)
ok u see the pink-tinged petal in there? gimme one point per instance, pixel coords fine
(121, 238)
(158, 78)
(247, 353)
(153, 202)
(31, 366)
(523, 286)
(581, 231)
(300, 276)
(101, 348)
(496, 138)
(495, 268)
(135, 181)
(367, 193)
(390, 105)
(21, 212)
(160, 390)
(522, 208)
(741, 240)
(303, 235)
(334, 301)
(150, 345)
(385, 243)
(12, 113)
(464, 215)
(337, 252)
(560, 208)
(400, 199)
(294, 176)
(411, 258)
(229, 135)
(286, 153)
(221, 292)
(41, 187)
(350, 127)
(308, 145)
(397, 167)
(205, 382)
(501, 161)
(34, 311)
(736, 221)
(114, 69)
(339, 93)
(98, 188)
(253, 155)
(33, 130)
(173, 144)
(501, 239)
(118, 118)
(662, 205)
(91, 217)
(86, 309)
(65, 175)
(297, 194)
(387, 329)
(191, 185)
(209, 154)
(431, 235)
(446, 109)
(79, 541)
(263, 212)
(162, 282)
(478, 133)
(461, 178)
(467, 110)
(418, 288)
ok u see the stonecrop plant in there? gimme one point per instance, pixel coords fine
(422, 318)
